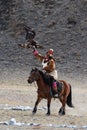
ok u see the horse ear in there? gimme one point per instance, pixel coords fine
(36, 68)
(33, 69)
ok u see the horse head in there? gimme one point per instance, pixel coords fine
(34, 75)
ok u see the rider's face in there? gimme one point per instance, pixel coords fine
(47, 56)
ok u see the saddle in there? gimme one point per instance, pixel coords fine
(59, 86)
(49, 80)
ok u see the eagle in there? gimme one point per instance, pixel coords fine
(29, 37)
(30, 33)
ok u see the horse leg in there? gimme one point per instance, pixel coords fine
(48, 106)
(62, 109)
(36, 104)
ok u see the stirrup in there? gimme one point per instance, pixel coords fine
(56, 95)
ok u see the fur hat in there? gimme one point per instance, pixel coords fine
(50, 52)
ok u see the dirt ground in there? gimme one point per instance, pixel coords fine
(25, 95)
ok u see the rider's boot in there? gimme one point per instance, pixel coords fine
(55, 89)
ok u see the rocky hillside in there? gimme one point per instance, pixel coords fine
(59, 24)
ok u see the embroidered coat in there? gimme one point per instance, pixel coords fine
(48, 64)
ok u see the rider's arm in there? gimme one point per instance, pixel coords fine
(37, 55)
(50, 66)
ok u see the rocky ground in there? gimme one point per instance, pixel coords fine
(59, 24)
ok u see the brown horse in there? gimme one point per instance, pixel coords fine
(65, 95)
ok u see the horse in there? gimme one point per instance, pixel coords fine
(65, 96)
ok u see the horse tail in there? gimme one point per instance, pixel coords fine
(69, 98)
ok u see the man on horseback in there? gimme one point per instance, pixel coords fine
(48, 64)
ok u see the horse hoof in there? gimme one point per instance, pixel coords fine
(48, 114)
(34, 111)
(62, 113)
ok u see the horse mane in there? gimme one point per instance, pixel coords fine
(48, 79)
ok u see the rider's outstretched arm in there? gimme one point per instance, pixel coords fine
(38, 55)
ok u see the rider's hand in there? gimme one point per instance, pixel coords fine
(35, 52)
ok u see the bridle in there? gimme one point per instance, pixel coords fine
(34, 78)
